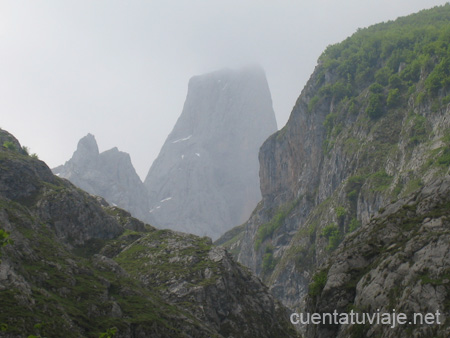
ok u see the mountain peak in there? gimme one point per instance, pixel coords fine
(109, 174)
(205, 179)
(87, 149)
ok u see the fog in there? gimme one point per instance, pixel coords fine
(119, 69)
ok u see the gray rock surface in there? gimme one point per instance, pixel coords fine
(400, 262)
(109, 174)
(205, 179)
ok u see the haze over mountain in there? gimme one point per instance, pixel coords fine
(205, 179)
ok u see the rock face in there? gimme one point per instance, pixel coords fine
(398, 261)
(368, 129)
(205, 179)
(77, 267)
(109, 174)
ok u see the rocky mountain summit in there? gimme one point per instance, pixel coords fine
(74, 266)
(109, 174)
(205, 179)
(370, 128)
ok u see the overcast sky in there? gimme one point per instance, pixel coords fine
(119, 69)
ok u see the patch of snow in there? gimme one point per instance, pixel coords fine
(182, 156)
(114, 205)
(182, 139)
(197, 154)
(58, 174)
(158, 207)
(166, 199)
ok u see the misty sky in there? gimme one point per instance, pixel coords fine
(119, 68)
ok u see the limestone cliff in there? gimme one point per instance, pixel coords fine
(109, 174)
(371, 126)
(77, 267)
(205, 179)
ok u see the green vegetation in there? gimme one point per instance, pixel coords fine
(168, 263)
(268, 263)
(380, 180)
(9, 145)
(341, 212)
(109, 333)
(353, 188)
(26, 150)
(393, 99)
(267, 230)
(313, 103)
(418, 132)
(318, 283)
(375, 108)
(333, 234)
(354, 224)
(378, 68)
(4, 240)
(444, 158)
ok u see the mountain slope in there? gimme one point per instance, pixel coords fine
(205, 179)
(77, 267)
(371, 126)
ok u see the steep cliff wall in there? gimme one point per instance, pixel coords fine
(205, 179)
(371, 126)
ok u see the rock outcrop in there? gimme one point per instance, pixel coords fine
(109, 174)
(205, 179)
(77, 267)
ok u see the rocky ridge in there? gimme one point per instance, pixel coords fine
(77, 267)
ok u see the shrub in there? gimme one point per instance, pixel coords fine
(109, 333)
(395, 81)
(375, 107)
(26, 150)
(332, 233)
(312, 103)
(382, 75)
(354, 224)
(381, 180)
(318, 283)
(9, 145)
(376, 88)
(340, 212)
(444, 159)
(393, 98)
